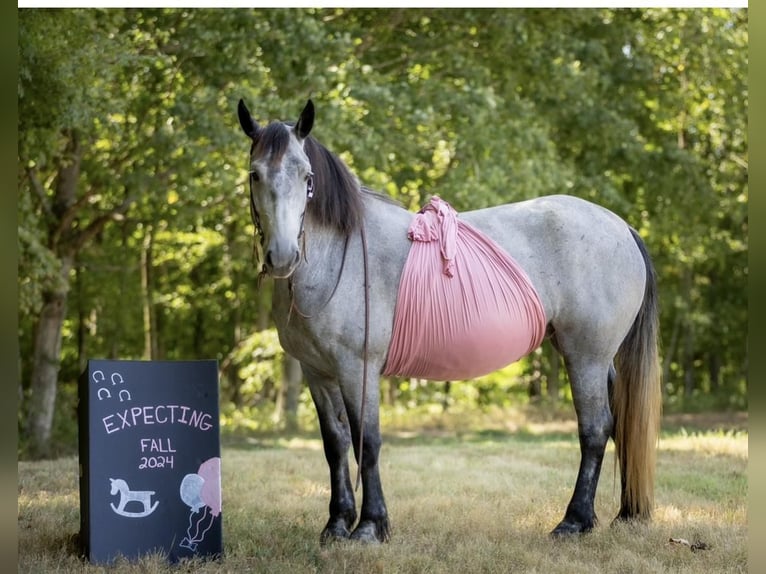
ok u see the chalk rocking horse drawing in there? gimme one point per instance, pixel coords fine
(337, 253)
(141, 498)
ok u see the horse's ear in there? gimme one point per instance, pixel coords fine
(249, 125)
(306, 121)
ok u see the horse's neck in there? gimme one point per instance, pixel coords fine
(322, 253)
(329, 254)
(313, 282)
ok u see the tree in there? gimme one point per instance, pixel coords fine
(134, 231)
(67, 212)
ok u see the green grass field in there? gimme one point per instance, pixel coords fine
(459, 501)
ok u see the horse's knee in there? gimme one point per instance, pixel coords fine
(370, 451)
(596, 431)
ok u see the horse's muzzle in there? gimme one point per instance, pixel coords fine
(281, 261)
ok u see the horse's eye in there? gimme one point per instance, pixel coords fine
(254, 176)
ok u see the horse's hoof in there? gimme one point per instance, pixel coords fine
(333, 534)
(566, 529)
(370, 532)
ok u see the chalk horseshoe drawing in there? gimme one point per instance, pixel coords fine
(143, 497)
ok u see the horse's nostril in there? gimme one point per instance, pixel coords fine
(269, 262)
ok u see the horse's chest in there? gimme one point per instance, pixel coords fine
(297, 333)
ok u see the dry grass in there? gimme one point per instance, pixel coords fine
(478, 502)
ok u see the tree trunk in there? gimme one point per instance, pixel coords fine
(535, 385)
(147, 296)
(46, 354)
(392, 391)
(445, 400)
(82, 321)
(714, 367)
(45, 365)
(690, 382)
(669, 353)
(66, 237)
(553, 373)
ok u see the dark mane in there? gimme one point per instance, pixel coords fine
(337, 200)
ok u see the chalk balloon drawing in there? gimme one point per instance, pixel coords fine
(201, 492)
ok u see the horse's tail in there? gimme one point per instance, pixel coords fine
(637, 402)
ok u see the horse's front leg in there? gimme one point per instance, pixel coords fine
(336, 437)
(373, 520)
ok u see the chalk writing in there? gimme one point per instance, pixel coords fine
(157, 414)
(155, 462)
(156, 445)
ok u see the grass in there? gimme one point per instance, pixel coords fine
(460, 500)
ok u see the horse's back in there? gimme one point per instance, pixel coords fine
(551, 218)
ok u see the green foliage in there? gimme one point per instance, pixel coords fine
(641, 110)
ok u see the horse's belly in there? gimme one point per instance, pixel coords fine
(465, 308)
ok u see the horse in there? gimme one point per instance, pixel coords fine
(336, 249)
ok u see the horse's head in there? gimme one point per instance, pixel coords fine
(281, 183)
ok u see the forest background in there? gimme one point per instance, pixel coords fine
(135, 239)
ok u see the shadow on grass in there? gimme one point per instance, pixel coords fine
(714, 422)
(562, 430)
(427, 437)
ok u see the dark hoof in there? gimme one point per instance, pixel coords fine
(566, 529)
(371, 531)
(333, 533)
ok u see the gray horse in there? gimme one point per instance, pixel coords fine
(336, 252)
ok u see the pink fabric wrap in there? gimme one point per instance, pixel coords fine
(465, 307)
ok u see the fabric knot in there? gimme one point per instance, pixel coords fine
(437, 221)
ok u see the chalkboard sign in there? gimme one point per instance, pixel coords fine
(150, 460)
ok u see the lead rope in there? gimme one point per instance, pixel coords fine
(291, 286)
(365, 352)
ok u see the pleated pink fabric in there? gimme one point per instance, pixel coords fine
(465, 307)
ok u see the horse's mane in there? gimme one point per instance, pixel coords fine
(337, 200)
(338, 196)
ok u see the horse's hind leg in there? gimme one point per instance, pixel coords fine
(336, 437)
(589, 381)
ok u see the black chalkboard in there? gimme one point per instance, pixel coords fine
(150, 460)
